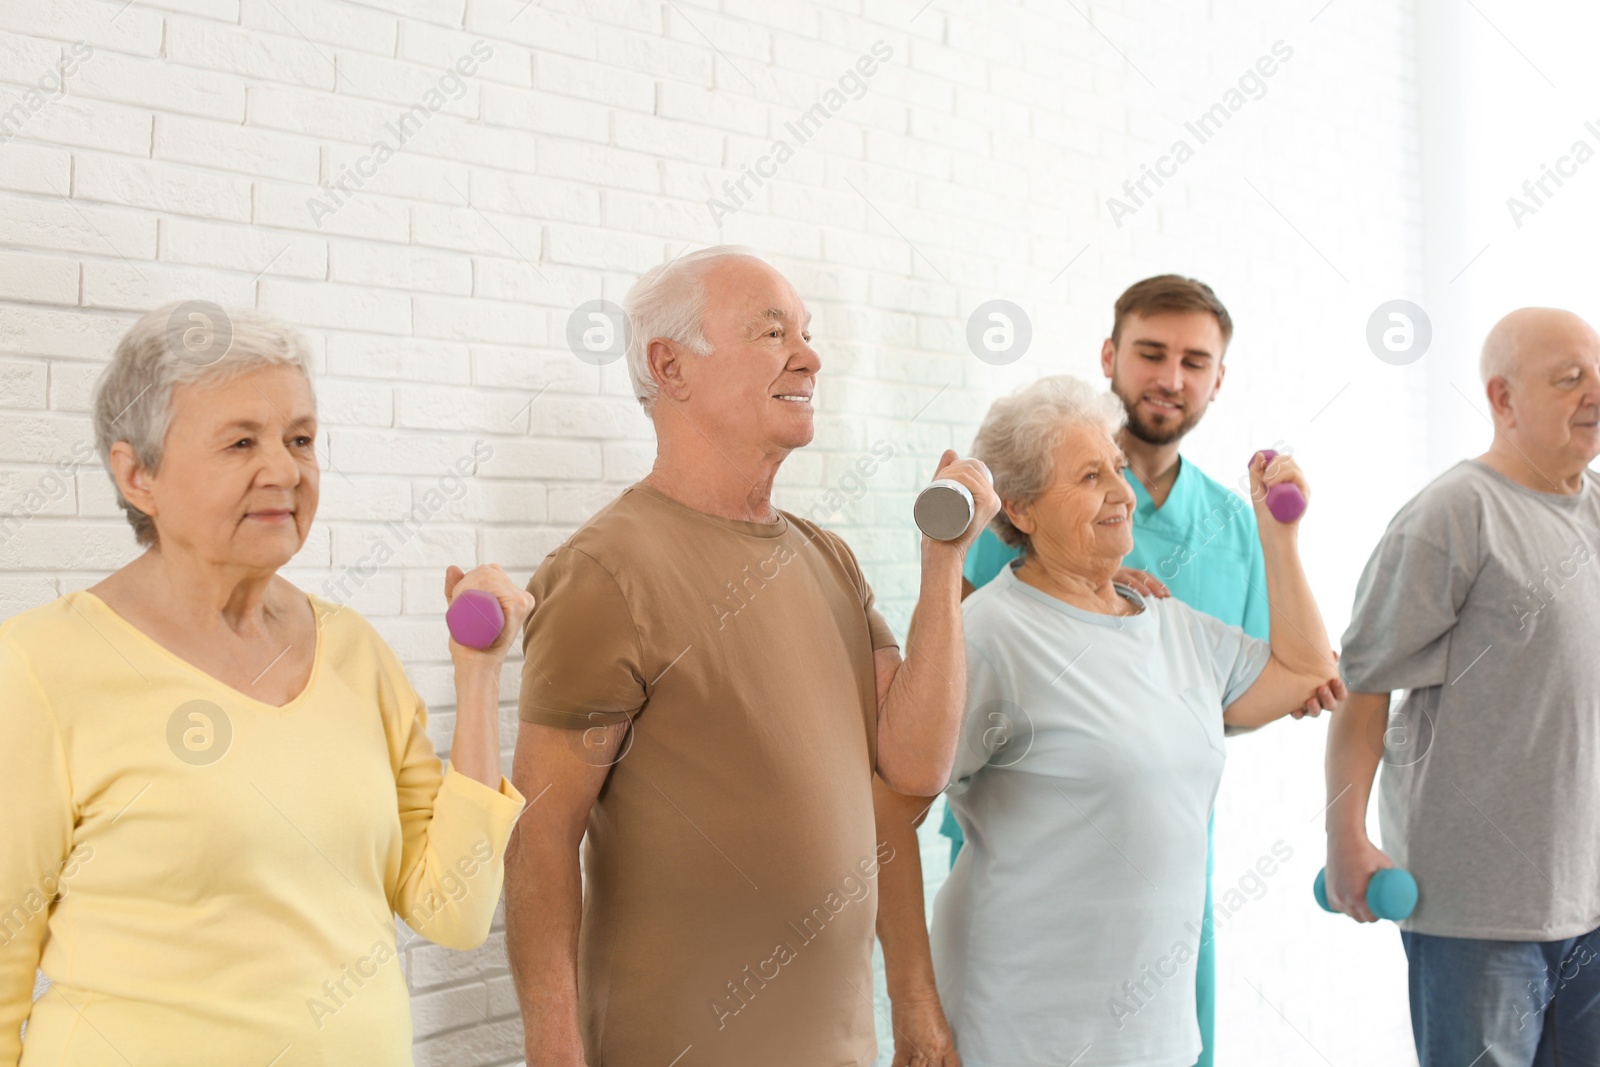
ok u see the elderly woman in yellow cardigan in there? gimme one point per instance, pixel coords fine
(219, 790)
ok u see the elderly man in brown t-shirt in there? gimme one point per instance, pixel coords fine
(707, 692)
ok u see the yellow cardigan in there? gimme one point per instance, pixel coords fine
(208, 879)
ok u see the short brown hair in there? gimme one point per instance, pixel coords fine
(1170, 292)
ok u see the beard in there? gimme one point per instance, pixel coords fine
(1163, 433)
(1147, 430)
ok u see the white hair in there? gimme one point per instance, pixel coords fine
(669, 303)
(1019, 435)
(161, 350)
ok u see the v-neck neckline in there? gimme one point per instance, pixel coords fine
(173, 657)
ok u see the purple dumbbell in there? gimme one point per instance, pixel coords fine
(475, 618)
(1286, 502)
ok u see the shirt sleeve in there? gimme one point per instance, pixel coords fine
(453, 830)
(1234, 658)
(1407, 603)
(36, 848)
(993, 727)
(1257, 621)
(878, 627)
(581, 654)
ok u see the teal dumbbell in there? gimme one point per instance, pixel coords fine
(1392, 893)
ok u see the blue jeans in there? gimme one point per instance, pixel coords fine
(1505, 1003)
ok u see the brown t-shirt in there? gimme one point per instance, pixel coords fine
(731, 861)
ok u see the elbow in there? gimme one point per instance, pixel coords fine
(914, 781)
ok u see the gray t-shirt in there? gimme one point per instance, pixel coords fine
(1482, 600)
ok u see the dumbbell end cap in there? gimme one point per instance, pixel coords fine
(475, 618)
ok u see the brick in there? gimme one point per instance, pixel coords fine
(136, 32)
(545, 112)
(123, 286)
(196, 242)
(310, 208)
(589, 80)
(69, 226)
(453, 319)
(534, 26)
(435, 47)
(433, 408)
(336, 306)
(398, 358)
(22, 383)
(71, 334)
(656, 55)
(335, 24)
(399, 267)
(163, 187)
(91, 124)
(72, 386)
(243, 149)
(26, 61)
(469, 229)
(161, 85)
(38, 280)
(442, 90)
(408, 175)
(30, 168)
(526, 194)
(252, 53)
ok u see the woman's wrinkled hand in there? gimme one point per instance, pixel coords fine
(516, 602)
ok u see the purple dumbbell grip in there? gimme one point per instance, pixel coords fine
(1286, 502)
(475, 618)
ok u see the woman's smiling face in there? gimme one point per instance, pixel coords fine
(1083, 520)
(238, 480)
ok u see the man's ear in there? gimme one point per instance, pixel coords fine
(666, 362)
(1222, 372)
(1108, 357)
(1499, 393)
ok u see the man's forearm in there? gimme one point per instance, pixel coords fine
(1355, 746)
(544, 906)
(902, 917)
(920, 718)
(1299, 639)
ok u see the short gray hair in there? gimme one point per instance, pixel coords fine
(1020, 433)
(133, 398)
(670, 301)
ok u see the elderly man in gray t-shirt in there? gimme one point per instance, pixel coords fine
(1482, 602)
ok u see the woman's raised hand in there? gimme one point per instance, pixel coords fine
(515, 602)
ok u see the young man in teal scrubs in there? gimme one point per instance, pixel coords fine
(1164, 359)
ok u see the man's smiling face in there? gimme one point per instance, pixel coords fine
(755, 388)
(1166, 368)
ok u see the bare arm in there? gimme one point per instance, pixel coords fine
(921, 700)
(921, 1032)
(1355, 746)
(561, 772)
(1302, 657)
(475, 745)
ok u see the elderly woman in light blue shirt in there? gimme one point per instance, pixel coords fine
(1092, 753)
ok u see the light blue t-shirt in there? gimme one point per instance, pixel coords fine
(1088, 765)
(1202, 542)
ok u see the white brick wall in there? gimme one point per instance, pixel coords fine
(977, 164)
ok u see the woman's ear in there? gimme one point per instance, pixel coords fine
(133, 481)
(1019, 516)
